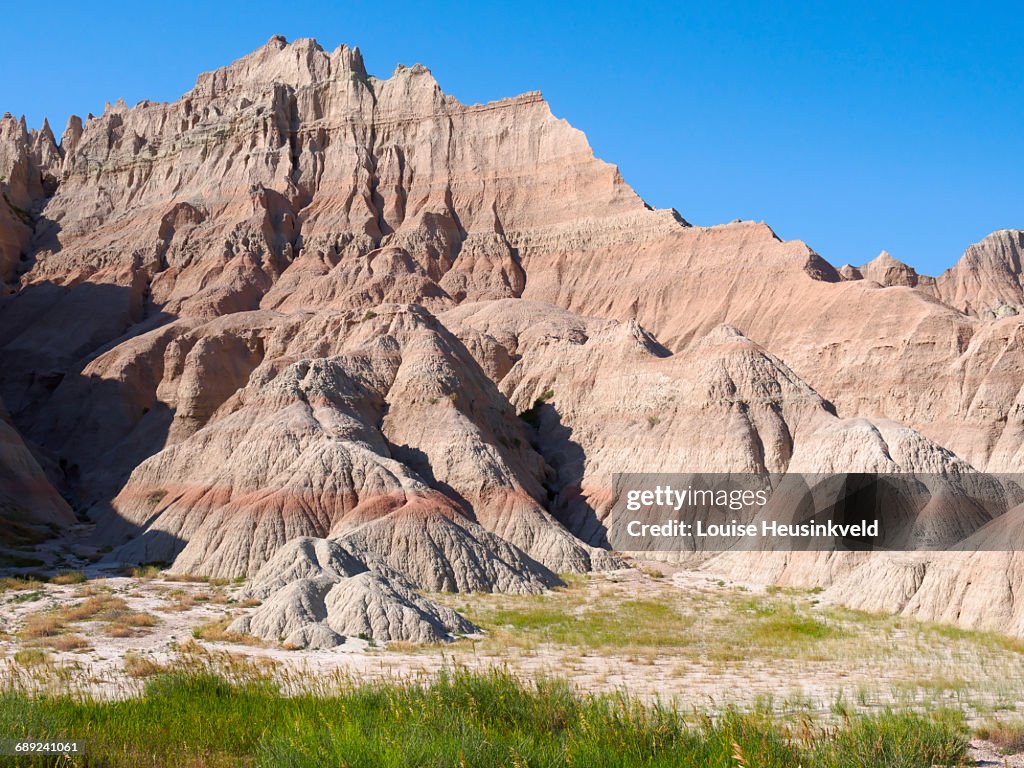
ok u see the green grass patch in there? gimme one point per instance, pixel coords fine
(627, 624)
(29, 597)
(460, 719)
(993, 640)
(745, 627)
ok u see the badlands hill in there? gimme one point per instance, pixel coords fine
(286, 327)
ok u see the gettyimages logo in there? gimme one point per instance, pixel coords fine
(816, 512)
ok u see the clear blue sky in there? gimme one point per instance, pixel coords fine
(854, 128)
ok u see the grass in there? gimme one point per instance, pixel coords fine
(18, 583)
(131, 624)
(217, 632)
(182, 600)
(101, 607)
(139, 666)
(1006, 735)
(65, 642)
(69, 577)
(617, 623)
(147, 572)
(458, 719)
(979, 637)
(41, 625)
(50, 628)
(29, 597)
(32, 657)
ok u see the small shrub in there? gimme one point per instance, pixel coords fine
(137, 665)
(146, 572)
(18, 583)
(1007, 736)
(29, 597)
(155, 497)
(129, 624)
(66, 643)
(68, 577)
(32, 657)
(41, 625)
(217, 632)
(98, 607)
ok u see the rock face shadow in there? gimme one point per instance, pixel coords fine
(88, 432)
(566, 459)
(419, 462)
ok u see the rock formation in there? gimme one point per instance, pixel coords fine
(305, 304)
(318, 592)
(30, 507)
(887, 271)
(987, 281)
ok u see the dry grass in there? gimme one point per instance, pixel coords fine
(41, 625)
(103, 607)
(65, 642)
(90, 589)
(1006, 735)
(131, 624)
(188, 578)
(186, 601)
(144, 572)
(18, 583)
(50, 627)
(16, 533)
(217, 632)
(403, 646)
(69, 577)
(139, 666)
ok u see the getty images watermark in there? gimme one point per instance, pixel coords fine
(787, 512)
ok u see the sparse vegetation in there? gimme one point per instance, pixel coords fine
(148, 571)
(31, 657)
(101, 607)
(1006, 735)
(68, 577)
(138, 666)
(29, 597)
(217, 632)
(18, 583)
(50, 628)
(761, 628)
(131, 624)
(155, 497)
(41, 625)
(65, 642)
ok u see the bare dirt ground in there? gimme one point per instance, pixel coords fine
(674, 635)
